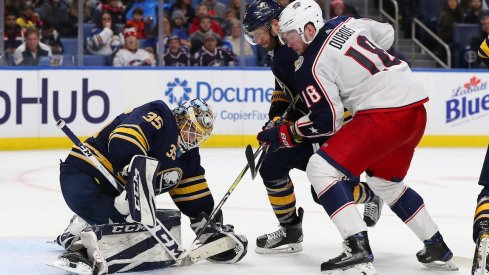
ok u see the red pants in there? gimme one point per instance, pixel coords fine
(382, 143)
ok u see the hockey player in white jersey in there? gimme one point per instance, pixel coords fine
(343, 64)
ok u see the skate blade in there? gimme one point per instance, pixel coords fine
(284, 249)
(74, 268)
(364, 269)
(439, 265)
(480, 258)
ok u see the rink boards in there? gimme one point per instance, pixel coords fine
(32, 100)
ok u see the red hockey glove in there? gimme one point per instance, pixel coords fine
(281, 136)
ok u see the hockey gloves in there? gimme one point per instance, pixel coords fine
(281, 136)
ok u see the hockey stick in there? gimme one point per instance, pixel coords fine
(159, 231)
(214, 212)
(250, 157)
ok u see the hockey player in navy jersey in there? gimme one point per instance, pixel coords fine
(342, 64)
(481, 223)
(260, 25)
(153, 130)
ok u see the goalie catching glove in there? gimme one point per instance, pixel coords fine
(280, 136)
(216, 230)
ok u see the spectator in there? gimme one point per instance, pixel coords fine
(14, 6)
(131, 55)
(114, 7)
(176, 54)
(13, 35)
(477, 41)
(235, 40)
(29, 52)
(50, 37)
(228, 21)
(188, 11)
(104, 39)
(87, 13)
(197, 38)
(150, 8)
(55, 12)
(178, 24)
(28, 18)
(451, 14)
(138, 23)
(473, 16)
(216, 9)
(235, 6)
(338, 8)
(211, 55)
(203, 11)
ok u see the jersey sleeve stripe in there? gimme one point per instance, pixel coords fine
(131, 140)
(131, 133)
(191, 198)
(190, 189)
(140, 131)
(196, 178)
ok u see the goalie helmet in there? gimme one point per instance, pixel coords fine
(195, 121)
(296, 16)
(258, 14)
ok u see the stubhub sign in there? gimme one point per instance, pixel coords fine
(31, 101)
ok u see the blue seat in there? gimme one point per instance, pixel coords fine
(69, 60)
(462, 35)
(428, 12)
(94, 60)
(87, 27)
(10, 59)
(70, 46)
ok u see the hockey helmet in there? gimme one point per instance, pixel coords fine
(195, 121)
(296, 16)
(258, 14)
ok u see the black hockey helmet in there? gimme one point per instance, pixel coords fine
(259, 13)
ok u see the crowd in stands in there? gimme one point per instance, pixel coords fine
(206, 33)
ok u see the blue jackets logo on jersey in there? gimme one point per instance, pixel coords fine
(177, 91)
(468, 100)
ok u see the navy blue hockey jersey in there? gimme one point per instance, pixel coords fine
(149, 130)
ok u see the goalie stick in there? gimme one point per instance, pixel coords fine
(159, 231)
(250, 156)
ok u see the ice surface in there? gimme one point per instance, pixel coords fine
(32, 212)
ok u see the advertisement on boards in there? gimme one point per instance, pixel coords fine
(32, 101)
(459, 103)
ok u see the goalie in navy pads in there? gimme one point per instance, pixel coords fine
(170, 137)
(481, 223)
(260, 26)
(342, 64)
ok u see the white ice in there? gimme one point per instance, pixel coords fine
(32, 211)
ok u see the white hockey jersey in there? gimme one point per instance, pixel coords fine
(126, 58)
(346, 66)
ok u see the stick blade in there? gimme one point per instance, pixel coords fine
(250, 158)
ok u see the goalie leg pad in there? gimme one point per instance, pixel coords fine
(129, 247)
(480, 264)
(140, 193)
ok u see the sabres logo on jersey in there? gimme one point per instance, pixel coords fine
(169, 179)
(298, 63)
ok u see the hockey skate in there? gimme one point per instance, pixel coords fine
(75, 262)
(372, 211)
(357, 258)
(436, 254)
(287, 239)
(72, 232)
(480, 264)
